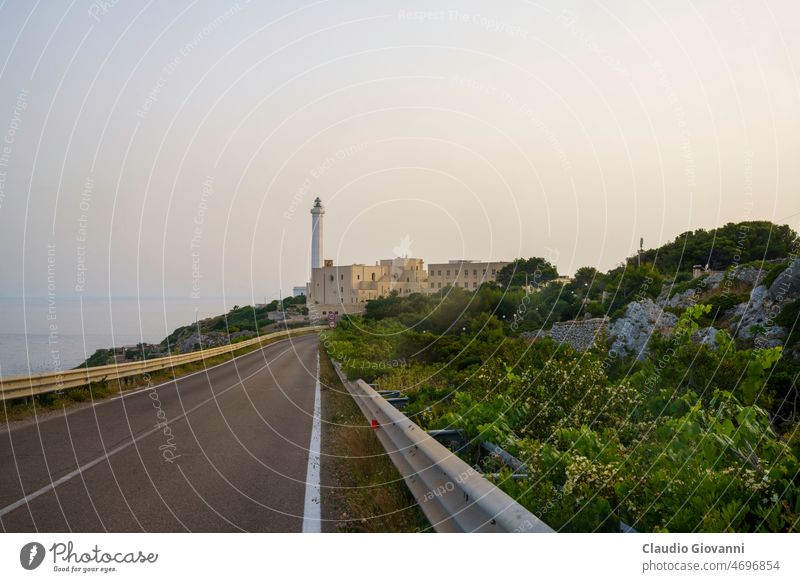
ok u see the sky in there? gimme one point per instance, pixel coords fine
(175, 148)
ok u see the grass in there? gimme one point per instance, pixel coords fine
(362, 490)
(22, 408)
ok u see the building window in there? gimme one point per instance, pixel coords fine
(466, 284)
(341, 289)
(494, 271)
(439, 272)
(448, 272)
(474, 272)
(331, 277)
(373, 276)
(341, 277)
(440, 285)
(474, 284)
(358, 277)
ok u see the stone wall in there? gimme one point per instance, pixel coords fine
(580, 334)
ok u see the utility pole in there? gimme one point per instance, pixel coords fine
(639, 254)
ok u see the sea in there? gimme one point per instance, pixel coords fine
(38, 334)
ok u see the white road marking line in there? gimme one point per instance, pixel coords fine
(51, 486)
(312, 511)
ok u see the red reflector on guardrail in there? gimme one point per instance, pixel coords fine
(374, 424)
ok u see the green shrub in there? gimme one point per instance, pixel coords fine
(773, 273)
(696, 283)
(789, 318)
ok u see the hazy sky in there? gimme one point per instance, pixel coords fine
(186, 139)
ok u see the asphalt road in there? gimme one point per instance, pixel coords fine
(221, 450)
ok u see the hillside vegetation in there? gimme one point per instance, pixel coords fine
(239, 324)
(696, 431)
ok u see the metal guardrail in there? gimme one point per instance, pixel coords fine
(454, 496)
(26, 386)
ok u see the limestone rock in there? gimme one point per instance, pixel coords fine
(684, 299)
(713, 280)
(641, 320)
(751, 276)
(706, 336)
(759, 311)
(786, 287)
(771, 337)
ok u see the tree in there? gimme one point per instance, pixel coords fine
(533, 271)
(721, 247)
(587, 282)
(633, 283)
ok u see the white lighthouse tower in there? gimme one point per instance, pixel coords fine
(317, 213)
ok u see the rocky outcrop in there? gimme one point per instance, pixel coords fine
(755, 312)
(211, 339)
(757, 316)
(771, 337)
(786, 286)
(706, 336)
(713, 280)
(753, 320)
(642, 319)
(752, 276)
(683, 299)
(691, 296)
(748, 276)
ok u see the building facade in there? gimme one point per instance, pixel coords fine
(347, 288)
(462, 273)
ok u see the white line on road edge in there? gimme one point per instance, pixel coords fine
(83, 468)
(312, 514)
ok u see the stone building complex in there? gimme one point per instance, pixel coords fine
(345, 289)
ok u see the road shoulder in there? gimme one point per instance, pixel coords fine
(361, 489)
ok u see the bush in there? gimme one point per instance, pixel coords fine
(789, 317)
(723, 302)
(692, 283)
(773, 273)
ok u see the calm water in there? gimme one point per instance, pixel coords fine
(39, 336)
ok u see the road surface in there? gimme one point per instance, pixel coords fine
(222, 450)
